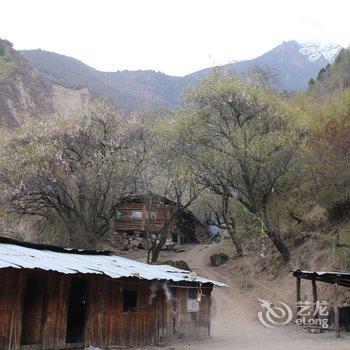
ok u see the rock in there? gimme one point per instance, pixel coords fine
(180, 250)
(125, 242)
(316, 217)
(145, 244)
(134, 243)
(219, 259)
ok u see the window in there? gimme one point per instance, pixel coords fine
(129, 300)
(152, 215)
(137, 215)
(192, 294)
(192, 302)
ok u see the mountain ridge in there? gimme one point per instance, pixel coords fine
(293, 63)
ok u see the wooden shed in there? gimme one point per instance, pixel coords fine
(145, 214)
(335, 278)
(55, 298)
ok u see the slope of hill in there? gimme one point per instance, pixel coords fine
(333, 78)
(127, 89)
(24, 91)
(294, 64)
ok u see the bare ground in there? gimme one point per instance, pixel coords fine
(234, 315)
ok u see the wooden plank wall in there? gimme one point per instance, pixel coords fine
(126, 222)
(106, 323)
(178, 323)
(12, 288)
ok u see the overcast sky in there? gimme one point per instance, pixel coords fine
(173, 36)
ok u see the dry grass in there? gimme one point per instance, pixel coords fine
(5, 67)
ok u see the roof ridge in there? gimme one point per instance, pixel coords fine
(53, 248)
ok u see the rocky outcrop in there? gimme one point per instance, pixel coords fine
(219, 259)
(22, 90)
(26, 92)
(65, 99)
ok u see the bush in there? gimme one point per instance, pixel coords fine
(2, 49)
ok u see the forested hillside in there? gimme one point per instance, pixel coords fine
(238, 153)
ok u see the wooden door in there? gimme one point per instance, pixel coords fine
(33, 310)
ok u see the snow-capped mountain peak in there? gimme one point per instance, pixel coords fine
(314, 51)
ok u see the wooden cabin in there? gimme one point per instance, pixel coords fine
(54, 298)
(145, 215)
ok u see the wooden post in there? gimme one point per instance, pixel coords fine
(336, 311)
(298, 296)
(314, 294)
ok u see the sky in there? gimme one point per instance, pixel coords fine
(173, 36)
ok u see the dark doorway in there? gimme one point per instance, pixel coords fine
(130, 300)
(33, 310)
(76, 311)
(344, 318)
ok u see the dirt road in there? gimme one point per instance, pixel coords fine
(234, 320)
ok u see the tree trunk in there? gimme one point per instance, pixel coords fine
(157, 248)
(276, 239)
(235, 240)
(163, 236)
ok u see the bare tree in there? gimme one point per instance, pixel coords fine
(261, 78)
(242, 143)
(73, 172)
(216, 210)
(172, 177)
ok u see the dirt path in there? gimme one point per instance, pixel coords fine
(234, 320)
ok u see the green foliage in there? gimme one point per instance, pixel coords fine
(5, 67)
(344, 258)
(2, 49)
(5, 63)
(335, 77)
(241, 141)
(344, 238)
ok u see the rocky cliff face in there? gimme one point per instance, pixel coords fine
(24, 91)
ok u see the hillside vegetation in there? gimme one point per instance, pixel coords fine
(270, 170)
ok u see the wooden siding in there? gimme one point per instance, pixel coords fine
(126, 223)
(178, 323)
(106, 323)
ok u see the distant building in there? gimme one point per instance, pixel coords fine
(55, 298)
(145, 215)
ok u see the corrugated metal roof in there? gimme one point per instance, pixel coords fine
(18, 257)
(338, 277)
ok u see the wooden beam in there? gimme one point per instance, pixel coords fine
(336, 311)
(298, 295)
(298, 289)
(314, 294)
